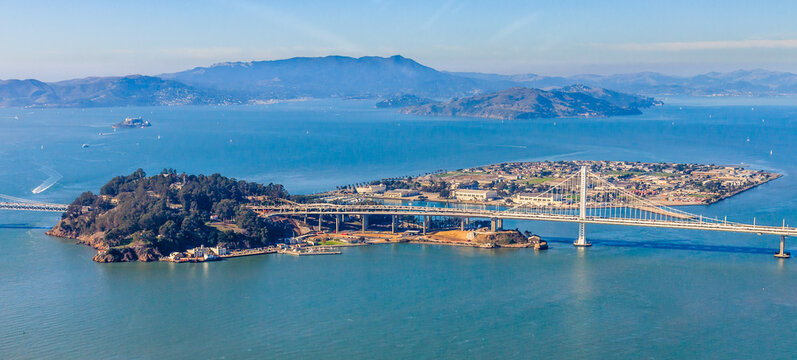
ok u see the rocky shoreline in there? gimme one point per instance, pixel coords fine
(105, 254)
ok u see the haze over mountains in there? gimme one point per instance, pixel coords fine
(756, 82)
(346, 77)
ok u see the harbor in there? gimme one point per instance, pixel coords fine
(205, 254)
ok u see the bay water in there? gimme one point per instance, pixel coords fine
(637, 293)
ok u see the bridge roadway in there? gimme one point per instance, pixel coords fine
(33, 206)
(329, 209)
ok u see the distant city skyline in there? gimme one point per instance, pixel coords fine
(58, 41)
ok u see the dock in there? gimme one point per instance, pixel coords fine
(310, 251)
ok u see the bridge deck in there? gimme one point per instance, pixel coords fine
(328, 209)
(33, 207)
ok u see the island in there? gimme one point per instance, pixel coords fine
(192, 218)
(520, 103)
(669, 184)
(131, 123)
(140, 218)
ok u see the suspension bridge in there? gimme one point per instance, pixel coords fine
(582, 198)
(15, 203)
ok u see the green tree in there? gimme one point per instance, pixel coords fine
(225, 209)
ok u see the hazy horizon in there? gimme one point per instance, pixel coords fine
(566, 74)
(59, 41)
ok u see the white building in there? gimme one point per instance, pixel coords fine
(475, 195)
(533, 199)
(219, 250)
(198, 251)
(371, 189)
(401, 193)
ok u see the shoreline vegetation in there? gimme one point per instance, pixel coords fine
(140, 218)
(193, 218)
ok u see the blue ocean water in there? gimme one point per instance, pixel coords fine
(637, 293)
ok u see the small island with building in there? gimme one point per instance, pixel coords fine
(132, 123)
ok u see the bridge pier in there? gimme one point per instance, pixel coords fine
(425, 223)
(499, 224)
(783, 254)
(337, 223)
(320, 217)
(393, 224)
(582, 236)
(493, 224)
(365, 222)
(582, 210)
(462, 224)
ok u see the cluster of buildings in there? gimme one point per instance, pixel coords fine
(526, 182)
(201, 253)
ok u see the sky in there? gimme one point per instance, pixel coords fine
(57, 40)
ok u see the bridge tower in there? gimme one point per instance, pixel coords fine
(783, 254)
(582, 210)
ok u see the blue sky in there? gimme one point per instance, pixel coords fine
(54, 40)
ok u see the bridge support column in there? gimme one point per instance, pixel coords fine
(365, 222)
(783, 254)
(493, 224)
(582, 236)
(499, 224)
(393, 224)
(320, 218)
(462, 224)
(305, 218)
(425, 224)
(337, 223)
(582, 210)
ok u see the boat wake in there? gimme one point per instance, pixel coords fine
(504, 145)
(53, 178)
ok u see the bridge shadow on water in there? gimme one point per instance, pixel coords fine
(666, 245)
(24, 226)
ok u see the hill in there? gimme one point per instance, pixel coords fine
(526, 103)
(134, 90)
(26, 93)
(331, 76)
(140, 218)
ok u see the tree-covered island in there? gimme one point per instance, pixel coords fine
(141, 218)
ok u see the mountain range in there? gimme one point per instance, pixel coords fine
(347, 77)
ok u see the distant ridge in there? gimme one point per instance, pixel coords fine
(134, 90)
(525, 103)
(756, 82)
(364, 77)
